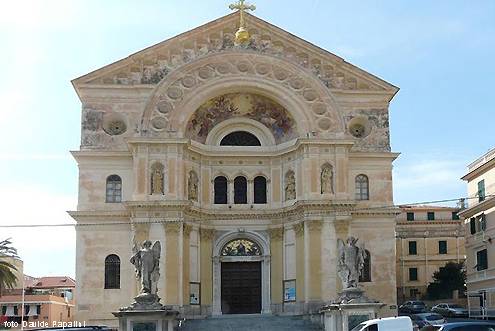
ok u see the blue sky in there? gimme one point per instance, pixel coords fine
(440, 53)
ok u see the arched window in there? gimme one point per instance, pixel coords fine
(112, 271)
(260, 189)
(241, 247)
(240, 190)
(240, 138)
(220, 187)
(365, 275)
(362, 188)
(114, 189)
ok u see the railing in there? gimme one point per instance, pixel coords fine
(485, 158)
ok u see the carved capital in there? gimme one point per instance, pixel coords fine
(187, 229)
(207, 234)
(299, 229)
(314, 225)
(276, 233)
(173, 227)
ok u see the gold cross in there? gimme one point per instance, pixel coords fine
(241, 7)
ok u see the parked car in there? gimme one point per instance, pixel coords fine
(425, 319)
(401, 323)
(461, 326)
(450, 310)
(413, 307)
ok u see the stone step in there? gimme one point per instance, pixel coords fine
(250, 323)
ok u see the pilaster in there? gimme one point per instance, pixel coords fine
(206, 266)
(276, 249)
(174, 255)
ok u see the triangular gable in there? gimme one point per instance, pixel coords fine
(150, 65)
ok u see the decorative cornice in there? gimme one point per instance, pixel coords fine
(83, 215)
(478, 208)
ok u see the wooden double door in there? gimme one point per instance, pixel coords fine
(241, 287)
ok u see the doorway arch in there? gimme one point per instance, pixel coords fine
(261, 256)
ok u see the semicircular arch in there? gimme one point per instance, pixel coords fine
(184, 90)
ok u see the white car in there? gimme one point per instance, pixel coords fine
(401, 323)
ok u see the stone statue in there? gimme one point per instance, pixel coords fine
(192, 186)
(290, 186)
(327, 179)
(147, 263)
(157, 179)
(351, 262)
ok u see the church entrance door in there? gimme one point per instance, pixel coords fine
(241, 287)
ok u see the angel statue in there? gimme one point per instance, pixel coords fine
(351, 261)
(147, 263)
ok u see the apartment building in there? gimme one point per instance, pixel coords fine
(427, 238)
(479, 220)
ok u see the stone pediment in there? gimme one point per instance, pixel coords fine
(149, 66)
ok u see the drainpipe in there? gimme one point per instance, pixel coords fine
(426, 259)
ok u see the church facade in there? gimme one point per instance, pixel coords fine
(247, 162)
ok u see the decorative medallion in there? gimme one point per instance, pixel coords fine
(159, 123)
(319, 108)
(280, 74)
(241, 247)
(357, 130)
(223, 68)
(262, 68)
(205, 73)
(115, 128)
(188, 81)
(174, 92)
(243, 66)
(325, 123)
(164, 107)
(297, 83)
(310, 95)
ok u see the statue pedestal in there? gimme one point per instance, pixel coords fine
(345, 316)
(147, 320)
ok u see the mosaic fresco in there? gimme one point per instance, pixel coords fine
(252, 106)
(241, 247)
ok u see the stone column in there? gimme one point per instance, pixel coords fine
(250, 191)
(314, 257)
(277, 271)
(230, 191)
(300, 269)
(206, 269)
(185, 263)
(174, 254)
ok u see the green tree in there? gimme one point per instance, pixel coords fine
(8, 277)
(449, 278)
